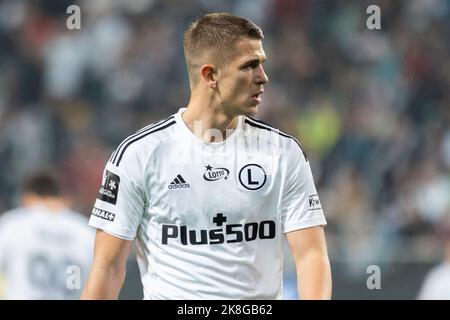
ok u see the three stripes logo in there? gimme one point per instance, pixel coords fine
(117, 155)
(179, 183)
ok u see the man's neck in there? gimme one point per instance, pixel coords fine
(52, 204)
(208, 123)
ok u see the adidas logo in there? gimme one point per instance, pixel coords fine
(178, 183)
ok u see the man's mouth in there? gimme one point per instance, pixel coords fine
(258, 94)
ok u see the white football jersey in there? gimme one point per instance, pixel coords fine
(436, 285)
(208, 219)
(44, 255)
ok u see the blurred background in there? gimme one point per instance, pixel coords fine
(371, 108)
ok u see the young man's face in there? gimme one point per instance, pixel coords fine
(241, 80)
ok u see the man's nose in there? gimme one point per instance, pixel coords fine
(261, 76)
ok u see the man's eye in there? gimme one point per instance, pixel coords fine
(251, 66)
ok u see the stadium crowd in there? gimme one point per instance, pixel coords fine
(371, 107)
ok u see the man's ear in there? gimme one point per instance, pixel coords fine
(209, 74)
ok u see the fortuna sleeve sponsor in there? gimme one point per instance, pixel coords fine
(110, 188)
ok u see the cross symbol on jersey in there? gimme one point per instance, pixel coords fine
(219, 219)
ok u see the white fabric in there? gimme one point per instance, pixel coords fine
(44, 255)
(437, 284)
(236, 260)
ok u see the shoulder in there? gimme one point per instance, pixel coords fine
(13, 220)
(139, 145)
(439, 272)
(78, 222)
(76, 218)
(276, 137)
(13, 215)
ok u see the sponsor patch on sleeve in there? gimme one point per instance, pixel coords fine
(110, 188)
(103, 214)
(314, 202)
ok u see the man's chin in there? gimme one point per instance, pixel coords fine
(249, 113)
(246, 110)
(251, 110)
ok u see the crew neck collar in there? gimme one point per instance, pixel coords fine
(189, 133)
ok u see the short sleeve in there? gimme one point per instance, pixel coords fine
(120, 204)
(301, 207)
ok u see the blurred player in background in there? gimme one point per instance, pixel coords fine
(436, 285)
(209, 210)
(45, 248)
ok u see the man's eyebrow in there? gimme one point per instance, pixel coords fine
(253, 61)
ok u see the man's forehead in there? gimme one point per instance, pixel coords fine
(249, 49)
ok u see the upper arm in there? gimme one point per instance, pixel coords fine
(120, 204)
(301, 206)
(109, 268)
(110, 251)
(307, 241)
(313, 268)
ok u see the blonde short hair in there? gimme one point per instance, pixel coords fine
(215, 34)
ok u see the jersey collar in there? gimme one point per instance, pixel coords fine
(189, 133)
